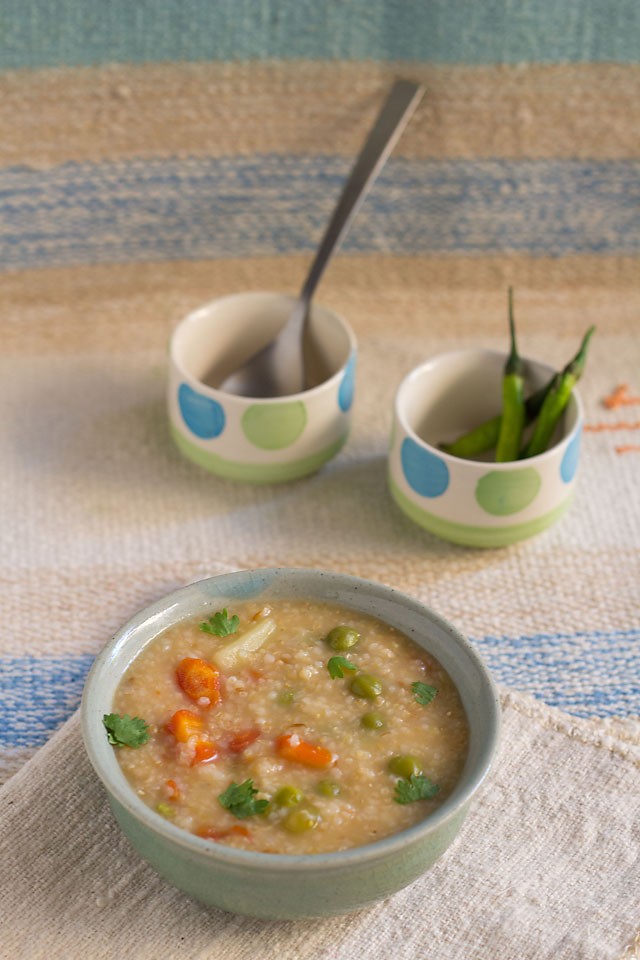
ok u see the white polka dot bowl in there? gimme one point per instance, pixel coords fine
(268, 440)
(476, 502)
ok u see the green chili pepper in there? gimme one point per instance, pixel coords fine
(512, 422)
(485, 436)
(476, 441)
(556, 400)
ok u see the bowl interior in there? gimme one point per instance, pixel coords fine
(454, 392)
(477, 691)
(216, 339)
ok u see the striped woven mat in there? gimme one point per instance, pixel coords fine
(151, 189)
(131, 192)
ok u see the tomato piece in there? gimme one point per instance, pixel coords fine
(243, 739)
(291, 747)
(199, 680)
(205, 752)
(172, 790)
(211, 833)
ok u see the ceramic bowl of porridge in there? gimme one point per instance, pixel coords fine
(289, 743)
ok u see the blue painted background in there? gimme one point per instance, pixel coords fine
(55, 32)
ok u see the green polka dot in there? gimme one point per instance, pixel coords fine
(503, 492)
(273, 426)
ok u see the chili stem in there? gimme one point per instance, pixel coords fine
(513, 415)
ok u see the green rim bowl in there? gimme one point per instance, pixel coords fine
(285, 886)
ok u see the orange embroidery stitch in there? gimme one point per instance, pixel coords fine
(620, 397)
(620, 425)
(628, 448)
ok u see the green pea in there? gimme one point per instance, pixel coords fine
(405, 765)
(165, 810)
(287, 796)
(366, 686)
(373, 721)
(286, 697)
(342, 638)
(301, 819)
(329, 788)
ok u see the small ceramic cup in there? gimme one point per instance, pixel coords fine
(256, 440)
(473, 502)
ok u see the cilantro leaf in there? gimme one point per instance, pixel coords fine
(337, 665)
(221, 624)
(125, 731)
(423, 693)
(417, 787)
(239, 799)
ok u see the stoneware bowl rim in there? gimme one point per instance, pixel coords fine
(106, 766)
(246, 400)
(480, 352)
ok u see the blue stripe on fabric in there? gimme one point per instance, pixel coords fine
(65, 32)
(37, 694)
(585, 674)
(251, 206)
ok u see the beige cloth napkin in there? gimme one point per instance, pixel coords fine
(546, 866)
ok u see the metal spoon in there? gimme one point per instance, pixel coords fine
(287, 364)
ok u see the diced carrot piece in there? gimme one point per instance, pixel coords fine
(291, 747)
(210, 833)
(199, 679)
(240, 741)
(185, 724)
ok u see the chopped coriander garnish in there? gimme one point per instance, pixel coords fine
(416, 787)
(337, 665)
(239, 799)
(221, 624)
(125, 731)
(423, 693)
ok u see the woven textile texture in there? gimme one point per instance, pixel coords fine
(156, 156)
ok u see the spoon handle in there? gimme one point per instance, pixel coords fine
(392, 119)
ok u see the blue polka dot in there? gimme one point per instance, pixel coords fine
(570, 459)
(203, 415)
(347, 386)
(425, 472)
